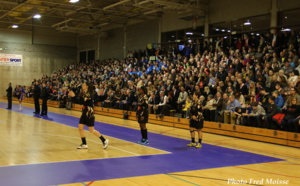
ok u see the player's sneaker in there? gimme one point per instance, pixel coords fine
(82, 146)
(191, 144)
(145, 142)
(105, 144)
(141, 142)
(198, 145)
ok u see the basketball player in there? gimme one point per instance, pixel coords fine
(20, 92)
(87, 117)
(196, 121)
(142, 114)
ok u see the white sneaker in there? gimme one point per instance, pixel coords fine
(82, 146)
(105, 144)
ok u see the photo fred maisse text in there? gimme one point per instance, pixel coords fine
(267, 181)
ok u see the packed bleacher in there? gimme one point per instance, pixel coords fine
(252, 82)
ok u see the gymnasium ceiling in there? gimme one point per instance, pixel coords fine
(92, 16)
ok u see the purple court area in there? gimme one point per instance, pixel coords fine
(181, 158)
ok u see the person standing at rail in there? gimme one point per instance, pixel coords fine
(44, 95)
(9, 96)
(36, 97)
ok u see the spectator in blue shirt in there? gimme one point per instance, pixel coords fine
(229, 116)
(278, 99)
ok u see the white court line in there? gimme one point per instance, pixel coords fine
(135, 154)
(29, 164)
(91, 141)
(166, 152)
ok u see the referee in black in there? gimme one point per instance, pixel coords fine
(44, 95)
(36, 97)
(9, 96)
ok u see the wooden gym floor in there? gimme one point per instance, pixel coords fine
(42, 151)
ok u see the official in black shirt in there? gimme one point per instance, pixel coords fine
(9, 96)
(36, 97)
(44, 95)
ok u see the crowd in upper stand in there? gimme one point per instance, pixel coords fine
(251, 82)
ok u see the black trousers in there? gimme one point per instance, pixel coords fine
(9, 102)
(37, 104)
(296, 126)
(252, 121)
(44, 107)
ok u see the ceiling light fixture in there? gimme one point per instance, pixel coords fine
(189, 33)
(37, 16)
(15, 26)
(74, 1)
(286, 29)
(247, 22)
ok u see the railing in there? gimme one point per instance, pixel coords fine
(252, 133)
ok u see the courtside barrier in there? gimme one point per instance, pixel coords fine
(252, 133)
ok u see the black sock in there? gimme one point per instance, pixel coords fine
(145, 134)
(193, 140)
(142, 133)
(102, 138)
(200, 141)
(83, 141)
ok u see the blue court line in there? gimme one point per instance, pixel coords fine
(181, 159)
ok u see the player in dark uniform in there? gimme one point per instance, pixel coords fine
(87, 118)
(142, 114)
(196, 121)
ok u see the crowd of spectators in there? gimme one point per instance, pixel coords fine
(247, 83)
